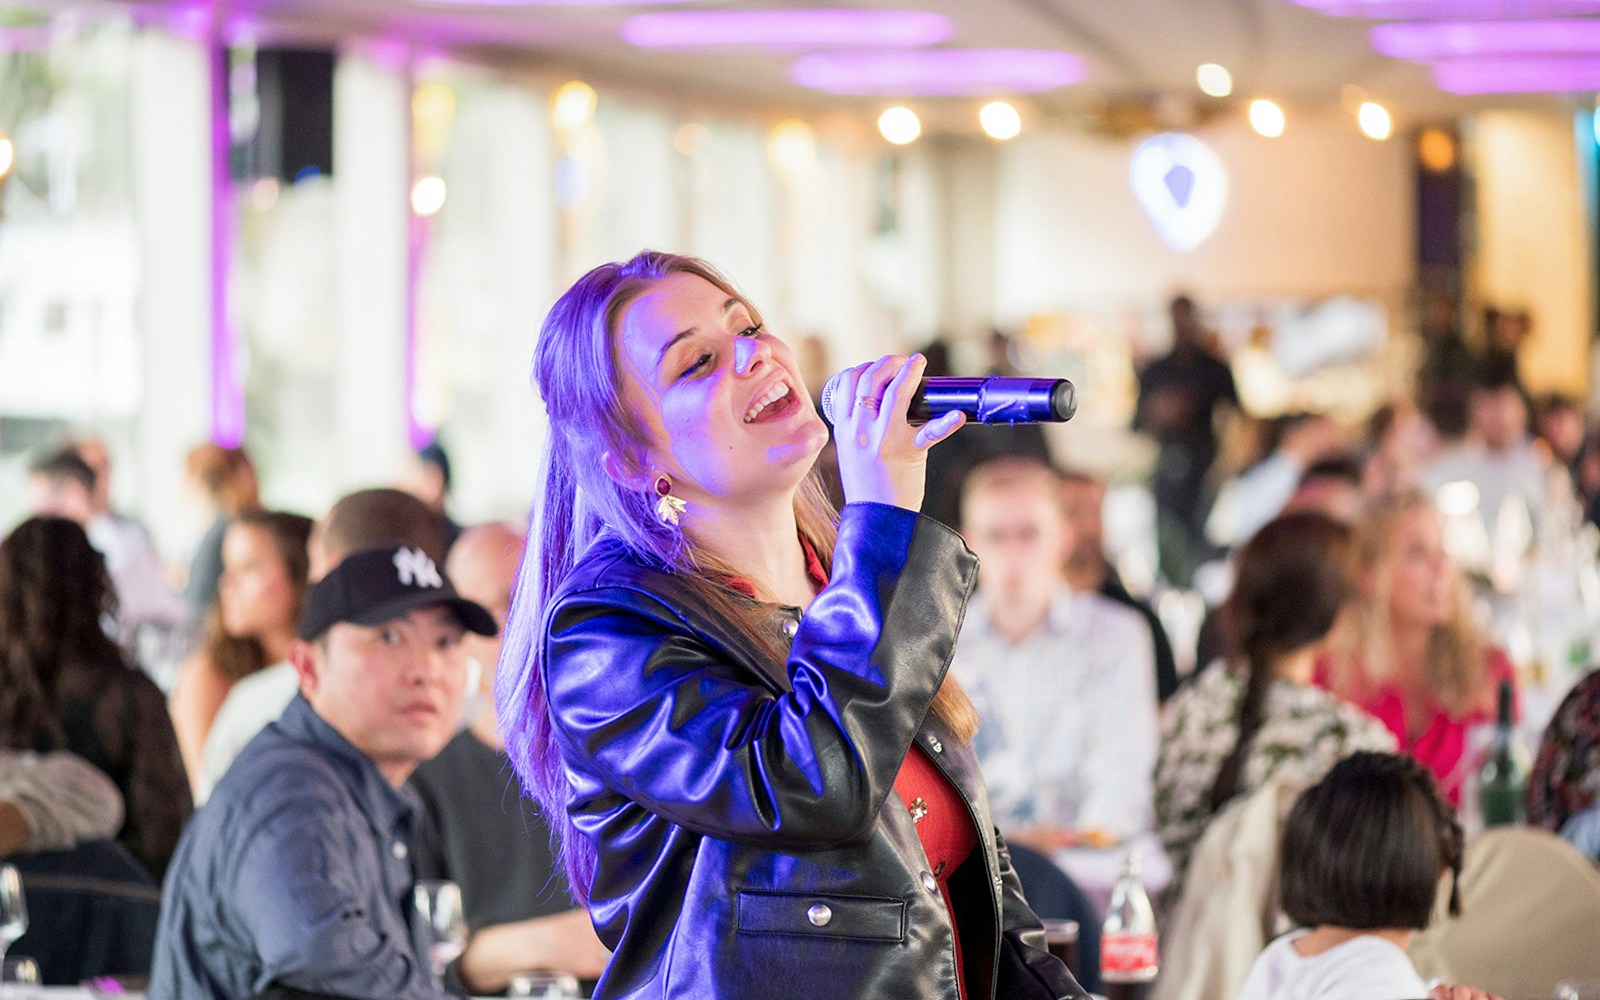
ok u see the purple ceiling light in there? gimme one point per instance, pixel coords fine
(1453, 39)
(788, 30)
(24, 37)
(937, 72)
(1517, 76)
(542, 3)
(1423, 10)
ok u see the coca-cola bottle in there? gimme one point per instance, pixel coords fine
(1128, 943)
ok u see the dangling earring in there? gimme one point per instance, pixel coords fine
(668, 507)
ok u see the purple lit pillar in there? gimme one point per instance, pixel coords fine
(418, 431)
(227, 389)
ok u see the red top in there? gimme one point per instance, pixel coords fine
(1441, 744)
(943, 825)
(937, 809)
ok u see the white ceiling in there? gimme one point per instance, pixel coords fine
(1140, 55)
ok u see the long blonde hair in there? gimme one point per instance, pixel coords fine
(1457, 653)
(578, 377)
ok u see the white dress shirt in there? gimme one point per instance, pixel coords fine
(251, 704)
(1068, 716)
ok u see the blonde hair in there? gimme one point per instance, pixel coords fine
(1456, 660)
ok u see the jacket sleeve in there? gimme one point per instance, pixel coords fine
(1027, 969)
(650, 710)
(307, 914)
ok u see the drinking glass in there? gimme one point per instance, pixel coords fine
(544, 984)
(1574, 989)
(13, 909)
(15, 975)
(438, 903)
(1061, 937)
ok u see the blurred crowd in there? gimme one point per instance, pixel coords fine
(1375, 594)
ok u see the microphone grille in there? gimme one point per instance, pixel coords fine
(829, 390)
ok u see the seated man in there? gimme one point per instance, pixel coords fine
(365, 519)
(1084, 498)
(1064, 681)
(478, 828)
(298, 872)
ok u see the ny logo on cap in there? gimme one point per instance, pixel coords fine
(416, 569)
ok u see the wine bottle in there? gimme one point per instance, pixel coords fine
(1502, 786)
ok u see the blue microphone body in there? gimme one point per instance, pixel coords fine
(995, 399)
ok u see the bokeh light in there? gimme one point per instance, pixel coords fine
(427, 196)
(1375, 120)
(574, 105)
(900, 125)
(1214, 80)
(1000, 120)
(1266, 118)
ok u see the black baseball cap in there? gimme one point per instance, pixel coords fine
(379, 585)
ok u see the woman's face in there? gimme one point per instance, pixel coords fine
(1420, 576)
(255, 591)
(725, 411)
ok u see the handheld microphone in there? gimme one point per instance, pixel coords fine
(992, 400)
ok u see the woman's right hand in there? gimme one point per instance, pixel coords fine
(882, 458)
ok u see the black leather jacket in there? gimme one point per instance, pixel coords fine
(750, 841)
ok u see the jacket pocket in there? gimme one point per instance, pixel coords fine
(860, 918)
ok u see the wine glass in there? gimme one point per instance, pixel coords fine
(13, 909)
(545, 984)
(438, 903)
(16, 973)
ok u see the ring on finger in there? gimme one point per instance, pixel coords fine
(871, 402)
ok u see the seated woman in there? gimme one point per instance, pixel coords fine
(54, 802)
(1232, 730)
(1363, 852)
(248, 629)
(736, 709)
(65, 684)
(1565, 779)
(1410, 652)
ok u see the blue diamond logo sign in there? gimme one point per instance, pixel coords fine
(1181, 185)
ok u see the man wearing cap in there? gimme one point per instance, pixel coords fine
(298, 872)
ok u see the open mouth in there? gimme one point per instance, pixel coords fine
(775, 401)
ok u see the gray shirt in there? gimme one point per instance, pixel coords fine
(297, 872)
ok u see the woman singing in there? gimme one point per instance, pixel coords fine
(734, 708)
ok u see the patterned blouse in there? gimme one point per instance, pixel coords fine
(1566, 776)
(1306, 731)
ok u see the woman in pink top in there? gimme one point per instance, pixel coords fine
(1409, 651)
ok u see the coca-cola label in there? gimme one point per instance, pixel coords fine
(1128, 953)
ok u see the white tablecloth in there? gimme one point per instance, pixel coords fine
(1095, 869)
